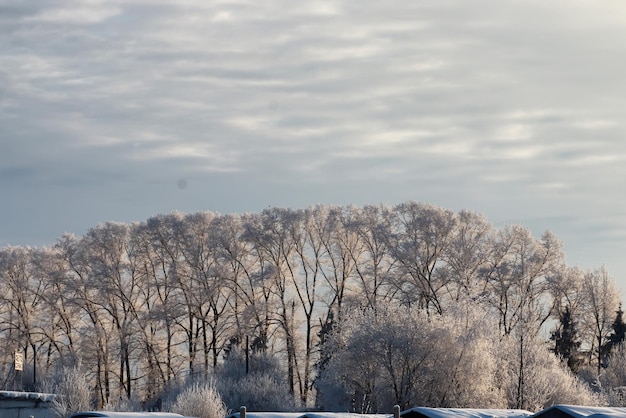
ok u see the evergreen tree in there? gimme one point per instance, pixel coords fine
(619, 328)
(616, 338)
(566, 340)
(326, 329)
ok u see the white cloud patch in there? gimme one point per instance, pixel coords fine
(517, 107)
(76, 14)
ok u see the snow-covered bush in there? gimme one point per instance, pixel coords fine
(612, 379)
(200, 400)
(258, 392)
(262, 388)
(72, 391)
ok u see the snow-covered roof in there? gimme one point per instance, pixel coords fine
(578, 411)
(342, 415)
(31, 396)
(308, 415)
(466, 413)
(109, 414)
(268, 415)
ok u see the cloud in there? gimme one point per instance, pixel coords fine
(75, 15)
(512, 108)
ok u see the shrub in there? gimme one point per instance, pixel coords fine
(72, 392)
(200, 400)
(258, 392)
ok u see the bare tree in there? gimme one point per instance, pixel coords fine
(62, 318)
(372, 262)
(271, 234)
(467, 256)
(417, 237)
(518, 275)
(118, 289)
(22, 293)
(204, 287)
(603, 301)
(81, 292)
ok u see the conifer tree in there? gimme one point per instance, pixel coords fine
(566, 340)
(616, 338)
(619, 328)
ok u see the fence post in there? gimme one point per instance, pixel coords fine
(242, 412)
(396, 411)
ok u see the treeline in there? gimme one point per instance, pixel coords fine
(141, 307)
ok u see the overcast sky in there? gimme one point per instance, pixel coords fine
(121, 110)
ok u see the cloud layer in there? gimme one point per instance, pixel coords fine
(511, 109)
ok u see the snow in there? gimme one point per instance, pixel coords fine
(467, 412)
(269, 415)
(109, 414)
(343, 415)
(10, 394)
(577, 411)
(309, 415)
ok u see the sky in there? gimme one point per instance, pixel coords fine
(117, 110)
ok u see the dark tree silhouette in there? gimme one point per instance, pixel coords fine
(616, 338)
(619, 328)
(566, 342)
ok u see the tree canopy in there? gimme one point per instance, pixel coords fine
(434, 299)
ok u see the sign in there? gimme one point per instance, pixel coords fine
(19, 361)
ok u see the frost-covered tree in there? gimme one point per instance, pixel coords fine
(466, 375)
(517, 277)
(205, 287)
(376, 360)
(274, 240)
(603, 300)
(23, 319)
(567, 290)
(406, 304)
(402, 356)
(535, 378)
(612, 379)
(373, 263)
(467, 256)
(417, 236)
(116, 292)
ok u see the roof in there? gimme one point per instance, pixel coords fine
(308, 415)
(269, 415)
(31, 396)
(106, 414)
(343, 415)
(464, 413)
(577, 411)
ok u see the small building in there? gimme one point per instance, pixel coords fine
(343, 415)
(576, 411)
(423, 412)
(25, 404)
(307, 415)
(266, 415)
(110, 414)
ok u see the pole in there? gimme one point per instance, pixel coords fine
(34, 367)
(247, 356)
